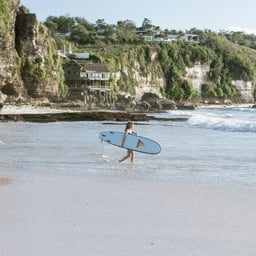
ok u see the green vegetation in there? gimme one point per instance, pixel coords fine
(41, 68)
(228, 62)
(6, 7)
(229, 55)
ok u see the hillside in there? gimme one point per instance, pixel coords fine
(223, 70)
(215, 70)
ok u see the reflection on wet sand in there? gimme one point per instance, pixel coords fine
(4, 181)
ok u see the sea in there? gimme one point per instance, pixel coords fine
(214, 146)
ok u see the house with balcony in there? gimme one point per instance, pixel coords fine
(87, 81)
(190, 38)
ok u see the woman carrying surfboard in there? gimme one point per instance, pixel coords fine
(128, 130)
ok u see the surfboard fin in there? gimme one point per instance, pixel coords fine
(140, 144)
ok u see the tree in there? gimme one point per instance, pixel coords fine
(126, 31)
(52, 26)
(82, 21)
(127, 24)
(188, 90)
(64, 23)
(146, 24)
(216, 68)
(194, 31)
(81, 35)
(100, 25)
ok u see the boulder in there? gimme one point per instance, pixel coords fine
(2, 99)
(167, 104)
(186, 106)
(143, 106)
(152, 99)
(125, 102)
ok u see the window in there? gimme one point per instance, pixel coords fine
(96, 75)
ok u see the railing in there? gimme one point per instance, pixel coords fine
(98, 88)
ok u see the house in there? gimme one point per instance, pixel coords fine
(153, 39)
(171, 38)
(87, 81)
(190, 38)
(73, 55)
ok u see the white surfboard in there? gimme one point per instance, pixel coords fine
(136, 143)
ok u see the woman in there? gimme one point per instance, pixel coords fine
(128, 130)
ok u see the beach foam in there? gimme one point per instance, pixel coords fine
(225, 123)
(236, 120)
(30, 109)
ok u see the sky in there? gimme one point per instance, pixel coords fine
(215, 15)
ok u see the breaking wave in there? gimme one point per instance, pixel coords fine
(229, 120)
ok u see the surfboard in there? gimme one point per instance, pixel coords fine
(136, 143)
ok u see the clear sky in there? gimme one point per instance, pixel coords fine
(216, 15)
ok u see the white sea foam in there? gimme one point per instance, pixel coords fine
(29, 109)
(223, 119)
(233, 122)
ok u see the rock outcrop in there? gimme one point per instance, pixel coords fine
(11, 83)
(41, 67)
(197, 75)
(246, 89)
(84, 116)
(30, 67)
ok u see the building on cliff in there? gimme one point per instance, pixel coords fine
(88, 82)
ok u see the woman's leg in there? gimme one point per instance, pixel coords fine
(131, 156)
(125, 157)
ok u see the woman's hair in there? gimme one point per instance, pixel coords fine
(128, 125)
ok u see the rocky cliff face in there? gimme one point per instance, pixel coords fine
(149, 90)
(29, 64)
(246, 89)
(11, 83)
(143, 67)
(197, 76)
(40, 67)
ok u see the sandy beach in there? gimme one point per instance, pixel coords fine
(4, 181)
(63, 215)
(60, 197)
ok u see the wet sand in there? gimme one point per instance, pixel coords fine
(43, 115)
(4, 181)
(90, 215)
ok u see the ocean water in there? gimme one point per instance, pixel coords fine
(214, 146)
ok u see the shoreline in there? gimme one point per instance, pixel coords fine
(32, 109)
(45, 114)
(83, 116)
(249, 105)
(30, 113)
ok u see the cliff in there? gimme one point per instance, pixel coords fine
(30, 68)
(11, 83)
(214, 71)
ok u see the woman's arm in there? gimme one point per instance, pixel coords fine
(124, 138)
